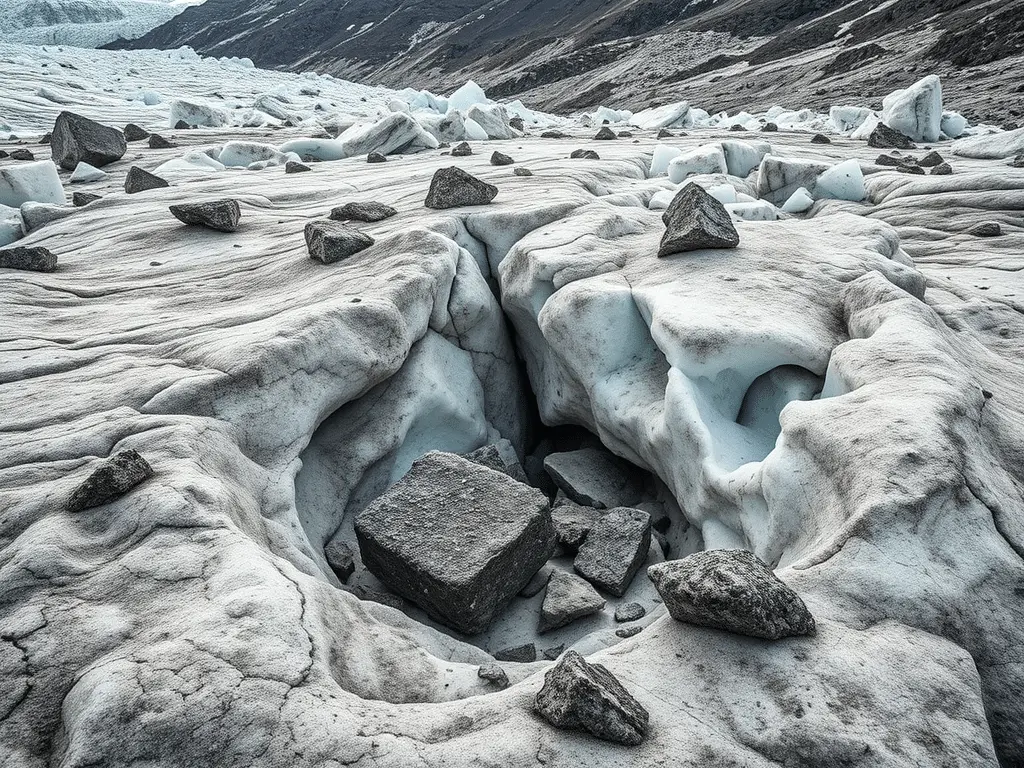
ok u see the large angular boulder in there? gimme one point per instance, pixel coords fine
(140, 180)
(76, 139)
(453, 187)
(221, 215)
(462, 150)
(331, 241)
(884, 137)
(458, 539)
(733, 590)
(113, 479)
(594, 477)
(567, 598)
(367, 212)
(615, 549)
(695, 220)
(30, 258)
(587, 697)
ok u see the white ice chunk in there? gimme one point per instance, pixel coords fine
(675, 115)
(846, 118)
(10, 225)
(759, 210)
(706, 159)
(86, 172)
(916, 111)
(661, 199)
(474, 131)
(242, 154)
(392, 134)
(190, 162)
(319, 149)
(493, 118)
(37, 182)
(865, 129)
(778, 178)
(198, 114)
(663, 155)
(953, 124)
(742, 157)
(466, 96)
(723, 193)
(603, 114)
(843, 181)
(798, 202)
(991, 146)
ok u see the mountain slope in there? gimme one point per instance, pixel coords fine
(82, 23)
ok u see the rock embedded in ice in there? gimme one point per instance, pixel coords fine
(452, 187)
(37, 215)
(500, 456)
(630, 612)
(331, 241)
(494, 674)
(188, 114)
(605, 134)
(112, 479)
(884, 137)
(584, 154)
(933, 158)
(778, 178)
(594, 477)
(34, 182)
(340, 558)
(820, 138)
(221, 215)
(843, 181)
(615, 549)
(520, 171)
(369, 212)
(376, 157)
(140, 180)
(77, 139)
(458, 539)
(293, 167)
(985, 229)
(695, 220)
(798, 202)
(498, 158)
(587, 697)
(732, 590)
(916, 111)
(156, 141)
(572, 523)
(462, 150)
(568, 598)
(30, 258)
(707, 159)
(22, 154)
(942, 169)
(522, 654)
(84, 172)
(132, 132)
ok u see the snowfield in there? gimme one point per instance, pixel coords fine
(839, 394)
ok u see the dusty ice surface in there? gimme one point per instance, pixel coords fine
(840, 394)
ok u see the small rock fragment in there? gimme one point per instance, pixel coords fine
(942, 169)
(584, 154)
(550, 654)
(1018, 161)
(77, 139)
(985, 229)
(331, 241)
(930, 160)
(156, 141)
(22, 154)
(912, 169)
(453, 188)
(492, 673)
(665, 133)
(462, 150)
(769, 128)
(521, 654)
(572, 523)
(630, 612)
(517, 123)
(30, 258)
(695, 220)
(221, 215)
(554, 135)
(520, 171)
(114, 478)
(884, 137)
(605, 134)
(893, 160)
(733, 590)
(568, 598)
(340, 557)
(45, 138)
(500, 456)
(293, 167)
(538, 582)
(615, 549)
(587, 697)
(376, 157)
(132, 132)
(79, 199)
(368, 212)
(498, 158)
(625, 632)
(139, 180)
(820, 138)
(181, 125)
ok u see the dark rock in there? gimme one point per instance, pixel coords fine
(517, 123)
(3, 154)
(462, 150)
(492, 673)
(453, 188)
(520, 171)
(31, 258)
(625, 134)
(384, 598)
(630, 612)
(376, 157)
(550, 654)
(884, 137)
(615, 549)
(625, 632)
(78, 139)
(366, 212)
(114, 478)
(733, 590)
(695, 220)
(457, 538)
(769, 128)
(985, 229)
(567, 598)
(910, 168)
(340, 557)
(930, 160)
(221, 215)
(156, 141)
(737, 127)
(665, 133)
(331, 241)
(579, 696)
(942, 169)
(1018, 161)
(139, 180)
(521, 654)
(662, 524)
(663, 542)
(132, 132)
(293, 167)
(22, 154)
(498, 158)
(181, 125)
(595, 477)
(538, 582)
(45, 138)
(572, 523)
(584, 154)
(894, 161)
(554, 135)
(79, 199)
(820, 138)
(605, 134)
(500, 456)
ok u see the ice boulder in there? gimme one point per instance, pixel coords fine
(953, 124)
(798, 202)
(988, 147)
(30, 182)
(846, 119)
(197, 115)
(707, 159)
(271, 105)
(777, 179)
(663, 155)
(466, 96)
(318, 149)
(450, 127)
(675, 115)
(242, 154)
(493, 118)
(390, 135)
(605, 114)
(916, 111)
(843, 181)
(10, 225)
(190, 162)
(863, 131)
(742, 157)
(85, 172)
(758, 210)
(474, 131)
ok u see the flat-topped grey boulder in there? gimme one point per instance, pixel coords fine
(113, 479)
(521, 654)
(695, 220)
(500, 456)
(331, 241)
(221, 215)
(579, 696)
(884, 137)
(595, 477)
(369, 212)
(139, 180)
(458, 539)
(76, 139)
(733, 590)
(615, 549)
(568, 597)
(31, 258)
(453, 187)
(340, 557)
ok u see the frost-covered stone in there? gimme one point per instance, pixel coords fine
(695, 220)
(458, 539)
(30, 258)
(594, 477)
(615, 549)
(568, 598)
(112, 479)
(331, 241)
(587, 697)
(584, 154)
(916, 111)
(221, 215)
(733, 590)
(140, 180)
(370, 211)
(884, 137)
(453, 188)
(76, 139)
(34, 182)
